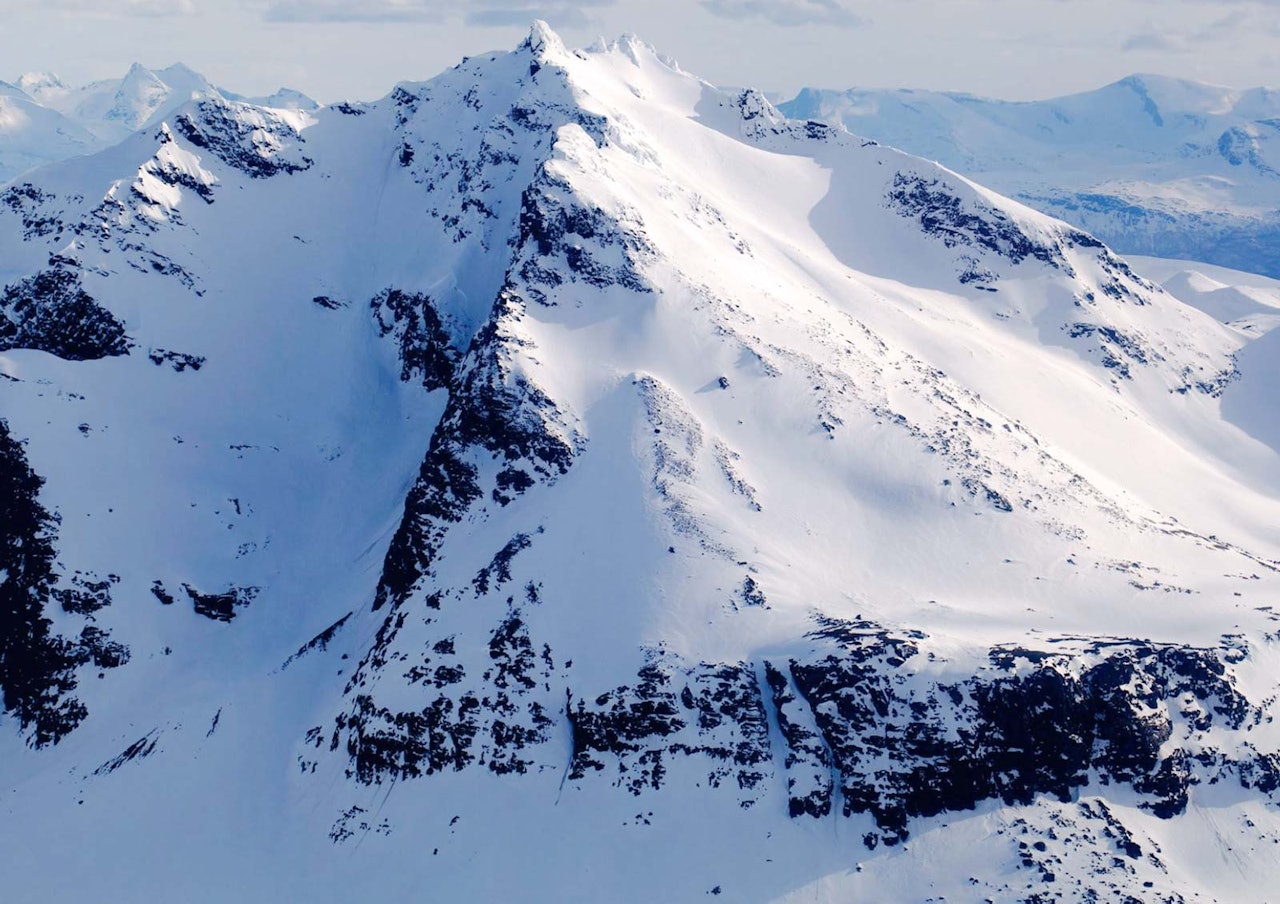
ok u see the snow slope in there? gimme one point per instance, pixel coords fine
(1153, 165)
(31, 134)
(1250, 304)
(564, 480)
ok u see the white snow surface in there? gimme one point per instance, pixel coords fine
(802, 391)
(1155, 165)
(43, 120)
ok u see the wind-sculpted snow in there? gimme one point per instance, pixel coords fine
(564, 461)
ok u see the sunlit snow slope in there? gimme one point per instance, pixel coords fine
(1152, 164)
(562, 480)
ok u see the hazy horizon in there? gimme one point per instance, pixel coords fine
(358, 49)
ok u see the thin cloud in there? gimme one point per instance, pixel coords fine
(480, 13)
(1155, 41)
(352, 11)
(523, 12)
(1186, 40)
(787, 12)
(113, 9)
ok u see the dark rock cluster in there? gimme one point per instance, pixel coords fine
(37, 665)
(249, 139)
(221, 607)
(712, 711)
(1118, 348)
(51, 312)
(413, 322)
(179, 361)
(941, 213)
(1029, 723)
(567, 241)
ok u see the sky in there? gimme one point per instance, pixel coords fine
(359, 49)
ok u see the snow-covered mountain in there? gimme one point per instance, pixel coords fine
(563, 480)
(32, 135)
(1151, 164)
(43, 120)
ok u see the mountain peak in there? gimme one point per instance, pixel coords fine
(543, 40)
(37, 84)
(179, 69)
(706, 495)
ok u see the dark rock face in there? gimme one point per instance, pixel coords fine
(350, 109)
(97, 647)
(508, 420)
(707, 711)
(251, 140)
(33, 206)
(941, 213)
(1031, 723)
(159, 592)
(221, 607)
(179, 361)
(412, 320)
(174, 176)
(51, 312)
(495, 423)
(497, 728)
(498, 572)
(566, 241)
(138, 750)
(864, 726)
(320, 642)
(761, 121)
(808, 760)
(1118, 348)
(87, 594)
(37, 666)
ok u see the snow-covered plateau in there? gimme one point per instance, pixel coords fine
(1150, 164)
(564, 480)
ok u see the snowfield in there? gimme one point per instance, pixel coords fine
(564, 480)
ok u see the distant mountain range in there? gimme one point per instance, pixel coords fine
(1150, 164)
(43, 120)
